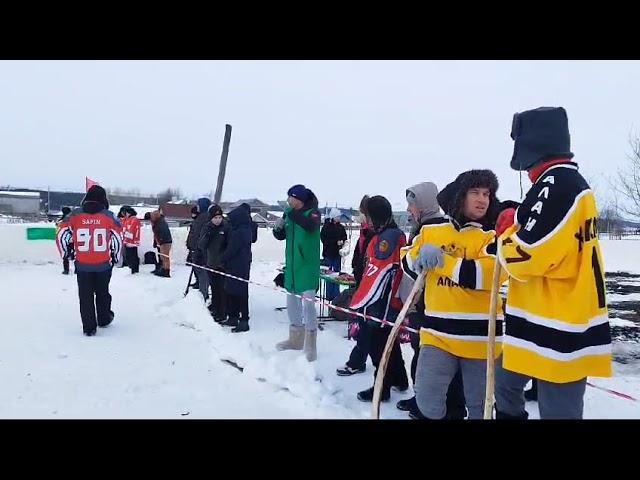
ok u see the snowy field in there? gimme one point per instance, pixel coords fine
(162, 356)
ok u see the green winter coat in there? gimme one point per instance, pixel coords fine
(302, 251)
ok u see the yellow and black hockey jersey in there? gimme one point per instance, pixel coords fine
(457, 296)
(557, 326)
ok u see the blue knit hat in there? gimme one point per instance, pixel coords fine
(300, 192)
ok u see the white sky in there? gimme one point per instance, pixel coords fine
(343, 128)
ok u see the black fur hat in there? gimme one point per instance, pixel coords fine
(540, 135)
(451, 198)
(96, 194)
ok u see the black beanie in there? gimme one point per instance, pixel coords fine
(540, 135)
(96, 194)
(380, 211)
(214, 210)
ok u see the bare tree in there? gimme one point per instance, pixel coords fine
(626, 181)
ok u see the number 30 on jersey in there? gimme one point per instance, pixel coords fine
(95, 241)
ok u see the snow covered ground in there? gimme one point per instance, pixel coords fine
(162, 356)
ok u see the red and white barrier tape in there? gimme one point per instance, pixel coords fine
(358, 314)
(277, 289)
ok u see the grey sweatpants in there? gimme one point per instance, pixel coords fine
(300, 314)
(555, 400)
(436, 368)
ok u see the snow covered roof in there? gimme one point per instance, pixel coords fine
(11, 193)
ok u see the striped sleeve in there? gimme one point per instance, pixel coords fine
(115, 244)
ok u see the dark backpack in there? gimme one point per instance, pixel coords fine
(150, 258)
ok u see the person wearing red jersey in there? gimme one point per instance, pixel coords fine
(95, 234)
(131, 237)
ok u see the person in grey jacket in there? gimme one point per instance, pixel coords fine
(211, 244)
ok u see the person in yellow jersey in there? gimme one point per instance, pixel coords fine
(557, 326)
(457, 252)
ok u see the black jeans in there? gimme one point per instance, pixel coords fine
(238, 306)
(218, 308)
(131, 259)
(95, 299)
(359, 354)
(396, 374)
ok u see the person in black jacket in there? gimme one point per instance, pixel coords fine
(236, 261)
(332, 235)
(366, 234)
(197, 256)
(211, 244)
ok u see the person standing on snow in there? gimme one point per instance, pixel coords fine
(131, 238)
(65, 259)
(557, 325)
(213, 241)
(457, 252)
(358, 328)
(94, 233)
(300, 227)
(422, 204)
(236, 260)
(332, 235)
(198, 257)
(378, 294)
(162, 240)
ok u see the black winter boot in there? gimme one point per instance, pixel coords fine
(243, 326)
(503, 416)
(230, 322)
(367, 395)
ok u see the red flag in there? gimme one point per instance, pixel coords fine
(89, 183)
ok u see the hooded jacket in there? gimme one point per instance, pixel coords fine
(196, 228)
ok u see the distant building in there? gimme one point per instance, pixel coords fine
(259, 219)
(177, 213)
(20, 203)
(257, 206)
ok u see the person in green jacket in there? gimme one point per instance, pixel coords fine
(300, 227)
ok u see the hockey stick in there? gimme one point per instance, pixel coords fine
(491, 341)
(393, 334)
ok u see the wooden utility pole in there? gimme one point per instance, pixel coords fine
(223, 164)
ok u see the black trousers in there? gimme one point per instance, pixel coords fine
(131, 259)
(65, 264)
(95, 299)
(396, 374)
(218, 297)
(238, 306)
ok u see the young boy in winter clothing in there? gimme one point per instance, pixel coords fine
(378, 294)
(457, 253)
(131, 239)
(300, 227)
(557, 325)
(213, 241)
